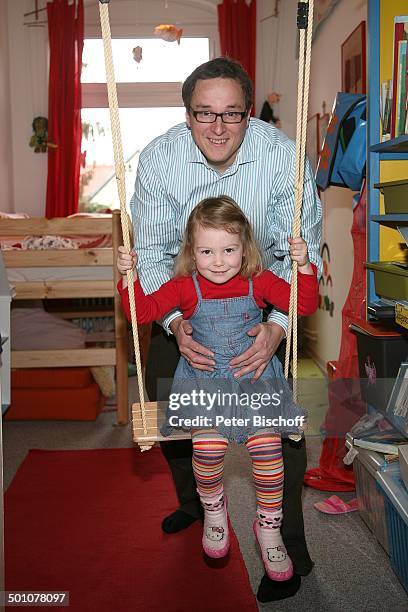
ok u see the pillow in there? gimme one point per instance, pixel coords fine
(104, 376)
(41, 243)
(5, 215)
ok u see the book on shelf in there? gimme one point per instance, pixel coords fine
(385, 442)
(406, 102)
(400, 36)
(401, 88)
(385, 108)
(401, 313)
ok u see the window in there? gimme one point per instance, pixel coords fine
(149, 96)
(161, 61)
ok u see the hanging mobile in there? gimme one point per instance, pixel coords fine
(137, 54)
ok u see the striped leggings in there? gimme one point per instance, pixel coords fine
(265, 450)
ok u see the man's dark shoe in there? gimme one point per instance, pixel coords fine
(177, 521)
(305, 569)
(272, 590)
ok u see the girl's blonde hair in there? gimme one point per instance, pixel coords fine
(219, 213)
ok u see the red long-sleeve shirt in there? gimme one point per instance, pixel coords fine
(180, 293)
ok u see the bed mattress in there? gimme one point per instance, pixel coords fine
(21, 275)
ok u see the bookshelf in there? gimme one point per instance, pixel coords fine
(386, 161)
(396, 145)
(391, 219)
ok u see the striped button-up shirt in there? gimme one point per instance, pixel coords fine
(173, 176)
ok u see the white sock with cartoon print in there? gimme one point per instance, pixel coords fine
(277, 562)
(215, 532)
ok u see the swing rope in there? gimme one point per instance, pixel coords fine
(121, 185)
(305, 25)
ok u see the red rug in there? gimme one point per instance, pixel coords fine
(88, 522)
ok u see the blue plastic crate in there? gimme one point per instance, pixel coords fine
(370, 498)
(396, 512)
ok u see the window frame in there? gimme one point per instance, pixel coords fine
(140, 95)
(154, 94)
(133, 95)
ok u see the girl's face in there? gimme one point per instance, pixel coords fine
(217, 254)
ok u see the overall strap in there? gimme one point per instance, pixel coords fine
(197, 286)
(251, 288)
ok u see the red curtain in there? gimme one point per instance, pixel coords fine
(237, 27)
(66, 39)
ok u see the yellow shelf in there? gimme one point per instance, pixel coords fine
(401, 314)
(391, 248)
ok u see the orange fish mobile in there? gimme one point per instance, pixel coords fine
(169, 33)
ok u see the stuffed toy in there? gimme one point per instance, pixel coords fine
(39, 138)
(267, 113)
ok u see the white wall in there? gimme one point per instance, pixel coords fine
(280, 36)
(139, 17)
(6, 177)
(28, 98)
(28, 65)
(337, 202)
(276, 68)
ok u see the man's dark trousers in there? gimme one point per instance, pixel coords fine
(162, 362)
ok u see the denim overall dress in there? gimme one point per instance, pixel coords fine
(233, 407)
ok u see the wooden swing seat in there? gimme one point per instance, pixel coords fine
(155, 417)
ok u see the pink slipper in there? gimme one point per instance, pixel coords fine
(273, 554)
(216, 538)
(335, 505)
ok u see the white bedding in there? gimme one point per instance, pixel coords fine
(34, 328)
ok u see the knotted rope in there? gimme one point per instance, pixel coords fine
(305, 18)
(120, 179)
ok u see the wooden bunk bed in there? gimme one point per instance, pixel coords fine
(62, 289)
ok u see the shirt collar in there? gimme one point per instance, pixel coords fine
(248, 151)
(195, 153)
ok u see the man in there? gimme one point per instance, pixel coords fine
(220, 150)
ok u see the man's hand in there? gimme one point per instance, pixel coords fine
(256, 358)
(198, 356)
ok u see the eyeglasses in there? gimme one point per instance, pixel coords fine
(227, 117)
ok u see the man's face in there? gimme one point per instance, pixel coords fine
(219, 142)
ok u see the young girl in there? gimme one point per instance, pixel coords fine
(221, 289)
